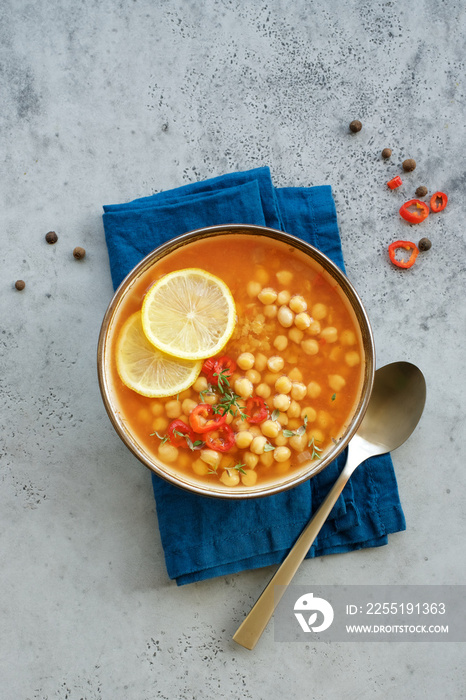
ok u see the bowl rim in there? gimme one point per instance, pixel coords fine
(349, 292)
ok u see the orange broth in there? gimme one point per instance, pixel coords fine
(332, 374)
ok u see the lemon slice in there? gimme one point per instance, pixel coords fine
(189, 313)
(145, 369)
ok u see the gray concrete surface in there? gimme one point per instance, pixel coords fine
(105, 101)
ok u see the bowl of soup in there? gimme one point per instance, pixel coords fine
(285, 394)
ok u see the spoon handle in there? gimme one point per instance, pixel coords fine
(250, 630)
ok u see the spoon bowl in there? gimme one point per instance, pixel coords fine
(394, 410)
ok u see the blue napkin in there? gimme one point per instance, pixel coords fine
(204, 537)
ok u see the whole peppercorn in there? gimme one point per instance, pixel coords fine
(409, 165)
(20, 284)
(421, 191)
(51, 237)
(79, 253)
(424, 244)
(355, 126)
(386, 153)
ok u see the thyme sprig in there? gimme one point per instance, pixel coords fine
(315, 450)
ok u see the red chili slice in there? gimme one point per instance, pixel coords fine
(202, 418)
(438, 201)
(220, 440)
(223, 367)
(178, 431)
(256, 409)
(395, 182)
(417, 215)
(406, 245)
(208, 366)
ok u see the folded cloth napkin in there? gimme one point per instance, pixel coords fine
(204, 537)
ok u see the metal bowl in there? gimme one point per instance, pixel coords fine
(194, 484)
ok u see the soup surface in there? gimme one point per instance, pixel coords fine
(282, 390)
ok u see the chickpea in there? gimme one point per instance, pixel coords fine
(285, 277)
(253, 376)
(184, 418)
(324, 420)
(336, 382)
(282, 467)
(249, 477)
(243, 387)
(282, 419)
(210, 457)
(298, 391)
(258, 444)
(261, 362)
(330, 334)
(283, 385)
(295, 375)
(173, 409)
(200, 384)
(229, 418)
(261, 275)
(266, 458)
(253, 288)
(186, 394)
(255, 430)
(310, 346)
(250, 460)
(295, 335)
(160, 424)
(294, 424)
(314, 328)
(281, 402)
(283, 297)
(275, 363)
(302, 321)
(167, 452)
(199, 467)
(188, 405)
(316, 435)
(243, 439)
(319, 311)
(267, 295)
(348, 338)
(225, 462)
(144, 415)
(281, 440)
(298, 303)
(314, 390)
(310, 413)
(210, 397)
(335, 353)
(157, 408)
(285, 316)
(183, 460)
(263, 390)
(270, 428)
(280, 343)
(281, 454)
(245, 360)
(352, 358)
(294, 410)
(239, 424)
(270, 311)
(230, 477)
(298, 442)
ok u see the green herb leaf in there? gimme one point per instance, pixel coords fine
(239, 468)
(288, 433)
(315, 449)
(334, 397)
(275, 414)
(301, 430)
(268, 447)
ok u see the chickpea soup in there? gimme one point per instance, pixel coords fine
(281, 392)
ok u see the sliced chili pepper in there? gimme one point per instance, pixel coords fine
(406, 245)
(223, 367)
(208, 366)
(256, 409)
(202, 418)
(395, 182)
(420, 213)
(220, 440)
(179, 433)
(438, 201)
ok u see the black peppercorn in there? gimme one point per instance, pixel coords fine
(386, 153)
(355, 126)
(424, 244)
(79, 253)
(20, 284)
(51, 237)
(409, 165)
(421, 191)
